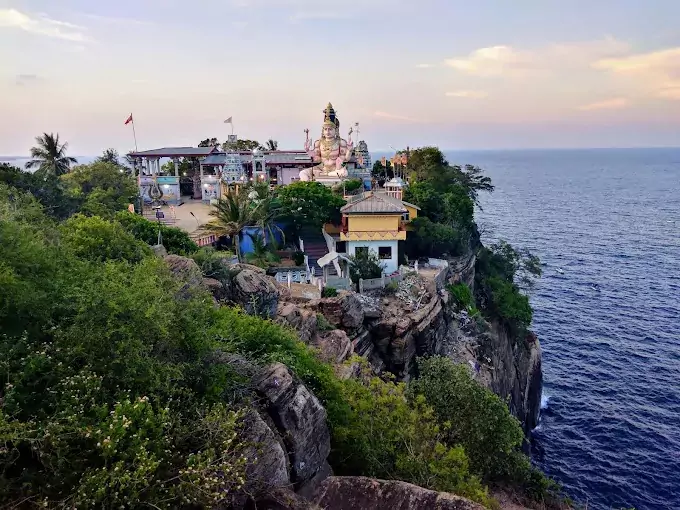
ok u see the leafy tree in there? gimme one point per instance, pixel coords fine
(480, 420)
(309, 204)
(110, 156)
(500, 274)
(175, 240)
(242, 145)
(49, 156)
(382, 173)
(365, 264)
(272, 145)
(48, 189)
(435, 239)
(101, 188)
(100, 240)
(209, 142)
(471, 179)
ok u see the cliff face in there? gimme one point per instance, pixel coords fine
(393, 329)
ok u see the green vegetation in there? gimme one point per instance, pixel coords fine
(175, 240)
(462, 295)
(501, 273)
(308, 205)
(49, 157)
(328, 292)
(435, 239)
(365, 264)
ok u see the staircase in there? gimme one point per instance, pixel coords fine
(315, 248)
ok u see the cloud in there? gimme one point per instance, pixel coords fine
(115, 20)
(609, 104)
(471, 94)
(27, 79)
(42, 25)
(509, 61)
(424, 66)
(657, 72)
(391, 116)
(313, 14)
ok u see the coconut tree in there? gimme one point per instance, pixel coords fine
(232, 213)
(49, 156)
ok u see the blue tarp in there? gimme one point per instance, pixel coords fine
(246, 243)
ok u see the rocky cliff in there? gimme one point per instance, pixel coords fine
(392, 328)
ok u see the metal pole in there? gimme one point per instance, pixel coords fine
(134, 134)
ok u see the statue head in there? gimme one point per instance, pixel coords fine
(331, 124)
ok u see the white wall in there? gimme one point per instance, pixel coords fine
(391, 265)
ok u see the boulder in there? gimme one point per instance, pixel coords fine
(159, 250)
(344, 311)
(357, 492)
(187, 271)
(281, 499)
(255, 293)
(267, 466)
(334, 345)
(300, 418)
(216, 288)
(302, 320)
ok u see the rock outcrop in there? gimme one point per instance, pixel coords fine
(300, 419)
(357, 492)
(255, 292)
(391, 330)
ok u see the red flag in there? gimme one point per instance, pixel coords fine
(129, 119)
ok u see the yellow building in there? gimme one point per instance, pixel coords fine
(376, 221)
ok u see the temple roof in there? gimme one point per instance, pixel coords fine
(373, 203)
(270, 157)
(173, 152)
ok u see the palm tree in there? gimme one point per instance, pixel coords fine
(232, 213)
(272, 145)
(49, 156)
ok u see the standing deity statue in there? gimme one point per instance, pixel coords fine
(330, 152)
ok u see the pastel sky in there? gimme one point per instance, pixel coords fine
(458, 74)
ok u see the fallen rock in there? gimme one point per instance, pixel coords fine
(334, 345)
(344, 311)
(300, 418)
(255, 293)
(357, 492)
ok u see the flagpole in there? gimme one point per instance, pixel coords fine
(134, 134)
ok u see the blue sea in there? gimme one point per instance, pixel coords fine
(606, 223)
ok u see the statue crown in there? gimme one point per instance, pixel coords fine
(330, 117)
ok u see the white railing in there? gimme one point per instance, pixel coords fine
(378, 283)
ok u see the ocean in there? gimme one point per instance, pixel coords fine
(606, 224)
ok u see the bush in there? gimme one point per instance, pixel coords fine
(175, 240)
(299, 258)
(365, 265)
(480, 420)
(462, 295)
(385, 436)
(99, 240)
(329, 292)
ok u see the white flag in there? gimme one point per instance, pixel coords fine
(228, 121)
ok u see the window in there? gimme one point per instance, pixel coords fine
(341, 246)
(360, 250)
(385, 252)
(405, 216)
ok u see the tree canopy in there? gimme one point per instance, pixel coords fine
(309, 204)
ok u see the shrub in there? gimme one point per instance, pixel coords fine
(462, 295)
(329, 292)
(385, 436)
(480, 420)
(365, 264)
(322, 323)
(175, 240)
(99, 240)
(434, 239)
(299, 258)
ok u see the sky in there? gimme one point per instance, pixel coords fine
(487, 74)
